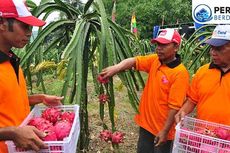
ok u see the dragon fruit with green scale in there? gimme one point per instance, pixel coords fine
(117, 137)
(68, 116)
(52, 114)
(50, 135)
(40, 123)
(36, 120)
(62, 129)
(105, 135)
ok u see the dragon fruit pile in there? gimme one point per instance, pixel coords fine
(198, 143)
(55, 123)
(116, 137)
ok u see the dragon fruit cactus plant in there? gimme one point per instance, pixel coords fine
(52, 114)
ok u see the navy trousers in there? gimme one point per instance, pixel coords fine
(146, 143)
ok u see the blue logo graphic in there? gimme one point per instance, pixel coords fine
(202, 13)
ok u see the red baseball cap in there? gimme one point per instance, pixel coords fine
(168, 36)
(17, 9)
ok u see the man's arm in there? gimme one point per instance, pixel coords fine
(45, 99)
(26, 137)
(123, 65)
(162, 135)
(187, 108)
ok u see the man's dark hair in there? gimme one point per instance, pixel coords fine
(1, 20)
(10, 23)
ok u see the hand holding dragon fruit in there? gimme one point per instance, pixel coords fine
(101, 80)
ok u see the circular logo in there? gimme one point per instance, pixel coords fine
(202, 13)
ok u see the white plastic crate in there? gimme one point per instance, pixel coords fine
(189, 140)
(68, 145)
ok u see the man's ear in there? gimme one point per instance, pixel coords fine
(176, 47)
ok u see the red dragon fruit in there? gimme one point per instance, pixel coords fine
(221, 133)
(68, 116)
(51, 114)
(45, 126)
(62, 129)
(228, 138)
(40, 123)
(50, 135)
(101, 80)
(105, 135)
(35, 121)
(117, 137)
(103, 98)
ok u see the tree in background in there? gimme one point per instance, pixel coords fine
(150, 13)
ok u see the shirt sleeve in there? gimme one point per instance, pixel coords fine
(178, 90)
(143, 63)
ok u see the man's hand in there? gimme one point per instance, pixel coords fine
(179, 116)
(51, 100)
(48, 100)
(28, 137)
(109, 72)
(122, 66)
(160, 138)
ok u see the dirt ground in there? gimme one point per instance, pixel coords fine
(124, 118)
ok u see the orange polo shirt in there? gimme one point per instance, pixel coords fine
(14, 104)
(165, 89)
(210, 90)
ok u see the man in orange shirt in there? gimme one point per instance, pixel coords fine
(15, 31)
(210, 87)
(163, 94)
